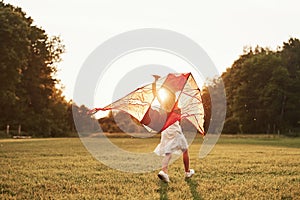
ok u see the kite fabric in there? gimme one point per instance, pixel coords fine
(163, 102)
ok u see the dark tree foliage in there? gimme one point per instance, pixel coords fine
(84, 123)
(28, 93)
(206, 100)
(291, 103)
(262, 91)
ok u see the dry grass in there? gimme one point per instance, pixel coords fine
(235, 169)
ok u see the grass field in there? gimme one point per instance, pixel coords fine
(237, 168)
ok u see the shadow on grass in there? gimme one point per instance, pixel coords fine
(163, 190)
(193, 188)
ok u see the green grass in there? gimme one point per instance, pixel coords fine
(269, 140)
(237, 168)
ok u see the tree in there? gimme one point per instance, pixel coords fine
(262, 90)
(14, 51)
(233, 80)
(84, 122)
(28, 90)
(291, 102)
(251, 104)
(213, 99)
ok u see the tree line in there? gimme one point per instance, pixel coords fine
(262, 87)
(262, 90)
(29, 94)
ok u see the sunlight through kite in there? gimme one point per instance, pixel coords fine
(162, 94)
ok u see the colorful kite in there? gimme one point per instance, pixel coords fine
(165, 101)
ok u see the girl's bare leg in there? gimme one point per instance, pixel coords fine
(186, 160)
(165, 162)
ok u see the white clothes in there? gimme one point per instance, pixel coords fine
(172, 141)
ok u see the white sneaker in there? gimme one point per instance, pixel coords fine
(190, 173)
(163, 176)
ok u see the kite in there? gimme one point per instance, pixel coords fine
(163, 102)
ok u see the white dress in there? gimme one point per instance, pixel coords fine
(172, 141)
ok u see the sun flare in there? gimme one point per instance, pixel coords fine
(163, 94)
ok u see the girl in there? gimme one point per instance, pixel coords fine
(172, 138)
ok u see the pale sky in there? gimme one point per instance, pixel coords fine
(221, 28)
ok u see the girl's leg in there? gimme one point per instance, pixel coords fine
(165, 162)
(186, 160)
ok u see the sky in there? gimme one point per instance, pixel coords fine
(221, 28)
